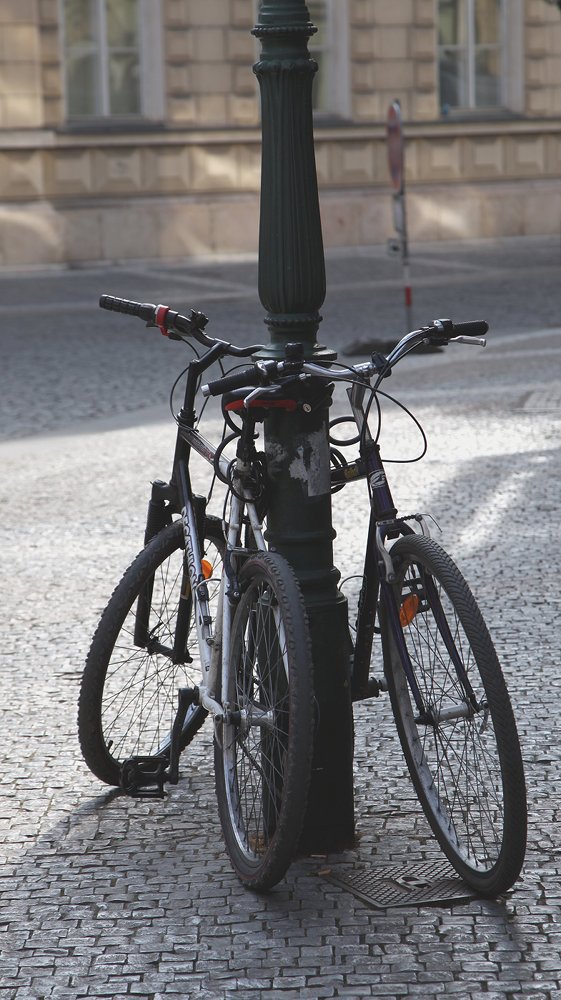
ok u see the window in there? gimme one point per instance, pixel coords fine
(329, 48)
(475, 46)
(112, 59)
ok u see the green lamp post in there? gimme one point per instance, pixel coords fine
(292, 290)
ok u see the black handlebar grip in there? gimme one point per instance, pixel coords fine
(475, 328)
(144, 310)
(237, 380)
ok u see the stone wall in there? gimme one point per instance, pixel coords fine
(20, 65)
(192, 187)
(209, 53)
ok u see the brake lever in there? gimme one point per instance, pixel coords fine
(261, 390)
(476, 341)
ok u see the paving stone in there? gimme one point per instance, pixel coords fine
(103, 896)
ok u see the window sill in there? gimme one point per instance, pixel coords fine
(330, 119)
(112, 125)
(476, 115)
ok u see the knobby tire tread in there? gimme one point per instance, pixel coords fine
(94, 749)
(263, 874)
(509, 863)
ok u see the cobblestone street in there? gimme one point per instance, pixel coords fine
(104, 896)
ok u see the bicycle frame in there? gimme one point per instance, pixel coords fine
(213, 643)
(378, 575)
(383, 524)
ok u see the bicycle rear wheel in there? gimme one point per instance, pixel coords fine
(145, 649)
(263, 754)
(461, 745)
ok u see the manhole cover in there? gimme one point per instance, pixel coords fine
(429, 883)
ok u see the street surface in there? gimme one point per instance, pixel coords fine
(104, 896)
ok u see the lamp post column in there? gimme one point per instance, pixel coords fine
(292, 290)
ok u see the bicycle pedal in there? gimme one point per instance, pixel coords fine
(144, 777)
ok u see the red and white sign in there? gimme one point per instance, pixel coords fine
(394, 136)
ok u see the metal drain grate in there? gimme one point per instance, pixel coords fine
(429, 883)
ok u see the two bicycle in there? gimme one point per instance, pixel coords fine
(207, 622)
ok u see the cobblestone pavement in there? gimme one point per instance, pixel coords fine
(64, 361)
(103, 896)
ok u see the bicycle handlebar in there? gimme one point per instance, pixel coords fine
(171, 324)
(265, 373)
(175, 326)
(144, 310)
(440, 333)
(236, 380)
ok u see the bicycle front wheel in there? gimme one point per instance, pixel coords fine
(145, 648)
(263, 754)
(454, 717)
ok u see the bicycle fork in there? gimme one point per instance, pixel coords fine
(427, 714)
(379, 585)
(145, 776)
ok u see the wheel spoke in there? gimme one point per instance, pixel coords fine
(129, 693)
(257, 775)
(456, 752)
(262, 765)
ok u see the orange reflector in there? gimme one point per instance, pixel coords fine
(206, 567)
(408, 609)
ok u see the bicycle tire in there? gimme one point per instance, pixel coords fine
(263, 770)
(466, 768)
(128, 694)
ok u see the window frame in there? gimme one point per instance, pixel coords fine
(339, 81)
(510, 45)
(151, 68)
(338, 104)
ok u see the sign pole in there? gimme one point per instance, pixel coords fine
(396, 158)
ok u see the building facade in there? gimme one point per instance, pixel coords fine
(130, 128)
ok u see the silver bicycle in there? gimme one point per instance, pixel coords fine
(205, 622)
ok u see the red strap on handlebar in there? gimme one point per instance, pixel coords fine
(161, 313)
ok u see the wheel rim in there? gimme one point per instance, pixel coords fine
(140, 690)
(455, 752)
(255, 746)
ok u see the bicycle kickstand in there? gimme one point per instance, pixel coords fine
(144, 777)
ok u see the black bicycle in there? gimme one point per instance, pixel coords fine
(447, 691)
